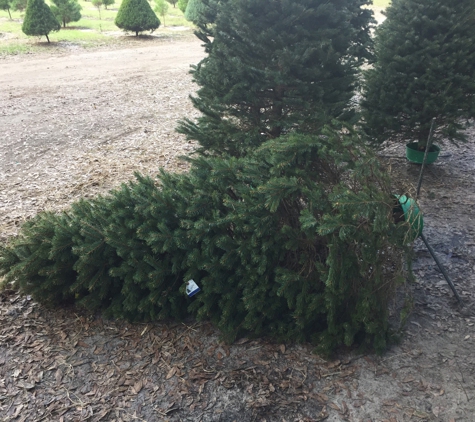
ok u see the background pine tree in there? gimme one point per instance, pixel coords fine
(66, 11)
(6, 5)
(161, 7)
(39, 20)
(425, 56)
(107, 3)
(19, 5)
(193, 10)
(136, 16)
(182, 5)
(275, 67)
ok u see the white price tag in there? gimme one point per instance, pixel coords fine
(192, 288)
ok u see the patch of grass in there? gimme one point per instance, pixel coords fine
(381, 3)
(10, 26)
(15, 48)
(96, 25)
(175, 17)
(79, 36)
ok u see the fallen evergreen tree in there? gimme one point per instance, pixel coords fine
(285, 224)
(295, 241)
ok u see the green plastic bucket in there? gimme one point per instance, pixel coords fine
(412, 214)
(414, 155)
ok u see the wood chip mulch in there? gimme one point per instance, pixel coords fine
(68, 365)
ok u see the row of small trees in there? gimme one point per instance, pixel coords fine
(285, 219)
(133, 15)
(40, 19)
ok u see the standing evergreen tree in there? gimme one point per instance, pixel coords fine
(39, 19)
(161, 7)
(193, 10)
(66, 11)
(274, 67)
(98, 4)
(107, 3)
(19, 5)
(182, 5)
(136, 16)
(6, 5)
(425, 68)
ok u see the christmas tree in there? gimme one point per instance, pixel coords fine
(295, 241)
(193, 10)
(285, 223)
(275, 67)
(39, 20)
(136, 16)
(425, 55)
(6, 5)
(66, 11)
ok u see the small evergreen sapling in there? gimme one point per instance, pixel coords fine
(424, 69)
(98, 4)
(161, 7)
(107, 3)
(66, 11)
(39, 19)
(136, 16)
(6, 5)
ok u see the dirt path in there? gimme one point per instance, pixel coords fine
(54, 73)
(77, 125)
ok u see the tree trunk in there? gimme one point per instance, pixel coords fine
(47, 37)
(9, 14)
(276, 111)
(136, 33)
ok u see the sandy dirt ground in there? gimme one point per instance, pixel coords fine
(78, 124)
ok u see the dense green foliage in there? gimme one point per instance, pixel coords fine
(293, 241)
(19, 4)
(274, 69)
(136, 16)
(284, 222)
(182, 5)
(39, 19)
(193, 10)
(66, 11)
(107, 3)
(425, 68)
